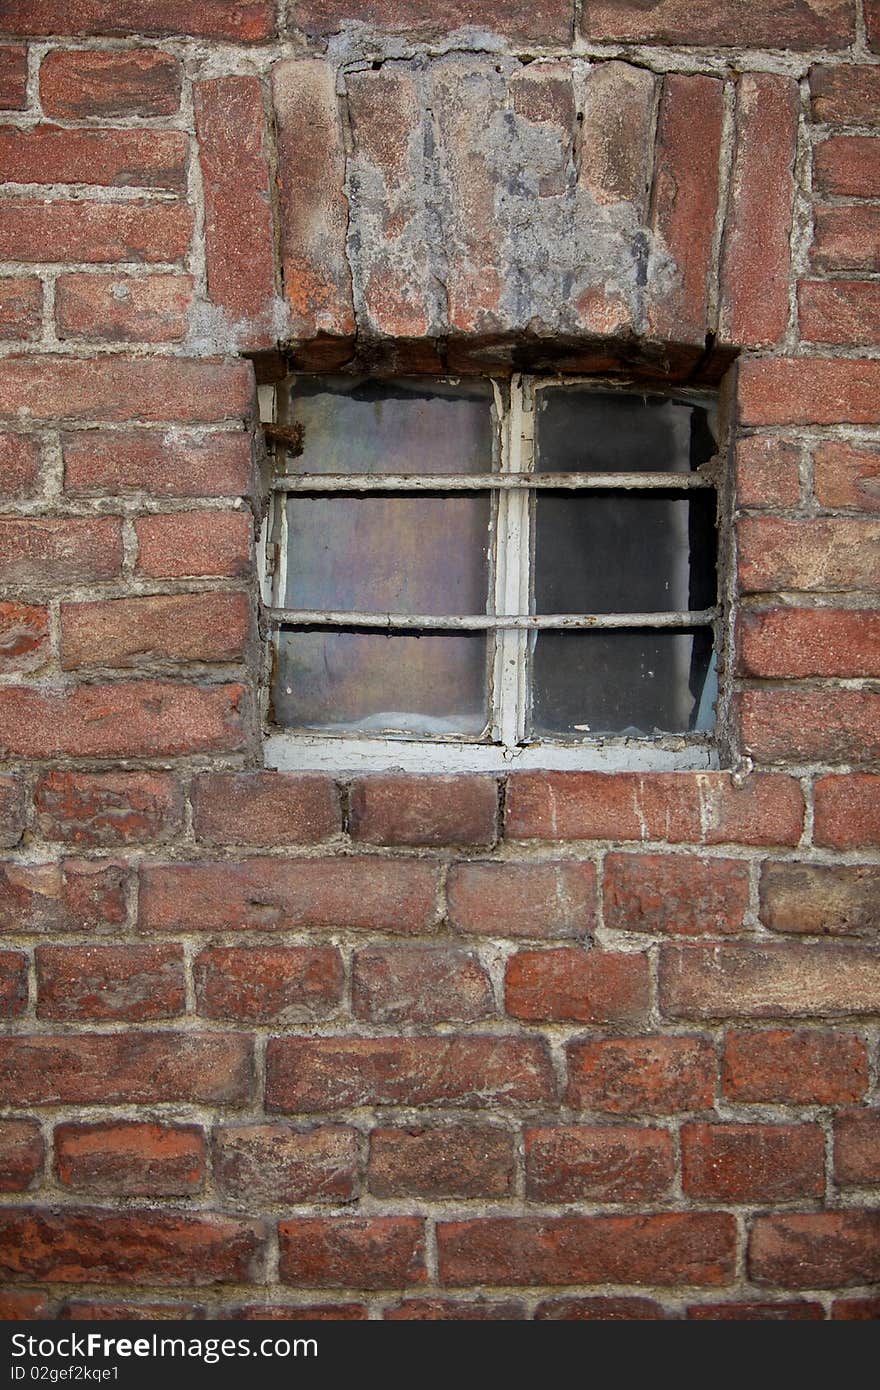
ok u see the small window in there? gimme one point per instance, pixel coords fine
(468, 572)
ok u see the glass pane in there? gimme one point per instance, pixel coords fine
(407, 426)
(618, 552)
(633, 681)
(378, 684)
(389, 554)
(582, 431)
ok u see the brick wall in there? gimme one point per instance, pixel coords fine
(570, 1045)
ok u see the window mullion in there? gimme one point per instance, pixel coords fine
(512, 576)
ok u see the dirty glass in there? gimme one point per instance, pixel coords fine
(582, 431)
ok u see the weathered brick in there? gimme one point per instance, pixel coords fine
(828, 1249)
(857, 1147)
(264, 808)
(677, 1247)
(679, 894)
(641, 1076)
(752, 1163)
(788, 1066)
(839, 311)
(262, 983)
(846, 238)
(567, 984)
(706, 808)
(847, 811)
(834, 726)
(789, 1311)
(598, 1163)
(454, 1161)
(767, 472)
(125, 388)
(546, 21)
(239, 238)
(127, 82)
(775, 981)
(318, 1074)
(847, 95)
(856, 1309)
(755, 256)
(21, 1154)
(11, 812)
(598, 1310)
(94, 232)
(179, 544)
(146, 631)
(396, 895)
(809, 390)
(770, 24)
(397, 810)
(615, 155)
(107, 808)
(803, 642)
(820, 899)
(847, 476)
(823, 554)
(114, 158)
(119, 1158)
(302, 1312)
(44, 553)
(872, 24)
(239, 21)
(380, 1252)
(522, 900)
(123, 308)
(13, 77)
(420, 984)
(140, 1248)
(847, 166)
(147, 718)
(275, 1163)
(74, 895)
(21, 307)
(170, 463)
(13, 983)
(19, 463)
(119, 1068)
(18, 1306)
(106, 983)
(454, 1310)
(25, 641)
(99, 1310)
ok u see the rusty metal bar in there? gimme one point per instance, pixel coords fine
(486, 622)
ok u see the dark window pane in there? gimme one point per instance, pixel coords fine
(624, 552)
(580, 431)
(376, 684)
(632, 681)
(408, 426)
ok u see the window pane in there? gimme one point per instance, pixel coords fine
(389, 554)
(372, 683)
(408, 426)
(580, 431)
(633, 681)
(617, 552)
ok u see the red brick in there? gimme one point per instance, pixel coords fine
(847, 166)
(809, 390)
(21, 306)
(18, 1306)
(122, 388)
(314, 208)
(453, 1310)
(271, 1163)
(706, 808)
(642, 1076)
(775, 981)
(24, 637)
(21, 1155)
(817, 1250)
(802, 642)
(107, 983)
(846, 238)
(789, 1066)
(834, 726)
(839, 311)
(114, 158)
(83, 1310)
(872, 24)
(13, 983)
(847, 95)
(767, 472)
(822, 554)
(119, 1068)
(770, 24)
(820, 899)
(856, 1309)
(11, 812)
(799, 1311)
(695, 1248)
(239, 237)
(418, 984)
(523, 900)
(118, 1158)
(260, 984)
(752, 1163)
(123, 308)
(13, 77)
(319, 1074)
(75, 895)
(455, 1161)
(126, 82)
(381, 1252)
(140, 1248)
(149, 718)
(54, 551)
(543, 21)
(398, 810)
(857, 1148)
(165, 464)
(107, 808)
(598, 1163)
(598, 1310)
(264, 808)
(93, 232)
(846, 476)
(19, 463)
(166, 628)
(180, 544)
(373, 894)
(755, 257)
(685, 195)
(598, 987)
(678, 894)
(302, 1312)
(240, 21)
(847, 811)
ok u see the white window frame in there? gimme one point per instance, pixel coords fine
(504, 746)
